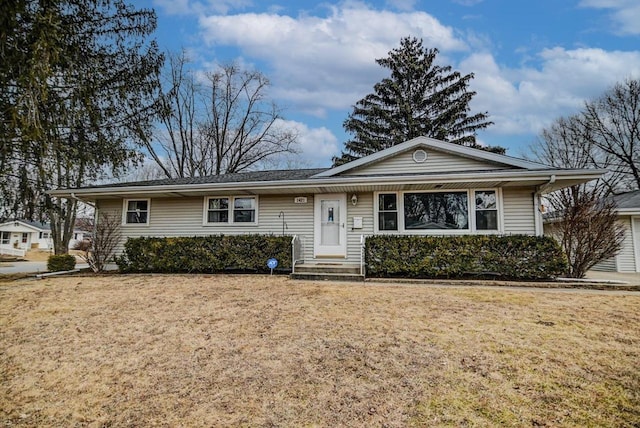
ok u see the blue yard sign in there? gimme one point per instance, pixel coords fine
(272, 264)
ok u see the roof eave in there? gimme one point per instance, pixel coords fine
(520, 175)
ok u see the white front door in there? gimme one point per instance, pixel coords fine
(330, 228)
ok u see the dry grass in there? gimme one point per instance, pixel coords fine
(267, 351)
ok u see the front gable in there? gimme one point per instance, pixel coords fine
(424, 155)
(19, 226)
(424, 160)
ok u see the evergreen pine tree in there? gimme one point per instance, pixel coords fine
(420, 98)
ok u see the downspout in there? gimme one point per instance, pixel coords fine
(537, 204)
(73, 196)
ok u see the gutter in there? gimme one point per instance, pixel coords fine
(586, 174)
(543, 188)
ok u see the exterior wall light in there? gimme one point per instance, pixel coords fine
(354, 199)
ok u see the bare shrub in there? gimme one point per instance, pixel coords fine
(99, 251)
(585, 226)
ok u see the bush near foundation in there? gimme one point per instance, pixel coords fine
(515, 257)
(60, 263)
(205, 254)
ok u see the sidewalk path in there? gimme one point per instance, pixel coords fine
(29, 267)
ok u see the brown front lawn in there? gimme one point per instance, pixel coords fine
(170, 350)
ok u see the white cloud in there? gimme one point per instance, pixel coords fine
(625, 14)
(322, 62)
(317, 145)
(524, 100)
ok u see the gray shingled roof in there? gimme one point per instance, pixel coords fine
(238, 177)
(628, 200)
(258, 176)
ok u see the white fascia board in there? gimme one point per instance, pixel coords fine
(437, 145)
(521, 175)
(28, 226)
(628, 211)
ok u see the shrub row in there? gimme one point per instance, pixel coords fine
(507, 257)
(205, 254)
(60, 263)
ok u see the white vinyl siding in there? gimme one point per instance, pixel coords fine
(363, 209)
(183, 217)
(436, 162)
(608, 265)
(518, 208)
(626, 256)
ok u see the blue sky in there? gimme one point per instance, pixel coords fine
(533, 60)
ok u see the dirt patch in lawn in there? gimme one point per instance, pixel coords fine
(154, 350)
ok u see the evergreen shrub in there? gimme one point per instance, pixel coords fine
(514, 257)
(205, 254)
(62, 262)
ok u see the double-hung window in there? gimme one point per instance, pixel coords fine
(486, 208)
(136, 211)
(5, 238)
(231, 210)
(387, 211)
(218, 210)
(244, 210)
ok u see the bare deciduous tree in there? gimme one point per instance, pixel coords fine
(219, 124)
(612, 123)
(581, 217)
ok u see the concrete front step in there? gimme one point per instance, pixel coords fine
(327, 276)
(328, 271)
(335, 268)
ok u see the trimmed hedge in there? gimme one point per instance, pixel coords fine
(60, 263)
(516, 257)
(205, 254)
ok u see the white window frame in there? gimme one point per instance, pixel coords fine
(231, 209)
(7, 240)
(125, 205)
(470, 213)
(376, 202)
(499, 211)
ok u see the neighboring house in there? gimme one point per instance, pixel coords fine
(22, 235)
(420, 187)
(628, 259)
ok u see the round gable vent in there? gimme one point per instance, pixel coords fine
(419, 156)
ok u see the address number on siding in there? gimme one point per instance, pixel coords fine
(300, 200)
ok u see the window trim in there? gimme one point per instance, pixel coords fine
(231, 209)
(125, 204)
(376, 202)
(499, 213)
(470, 212)
(3, 239)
